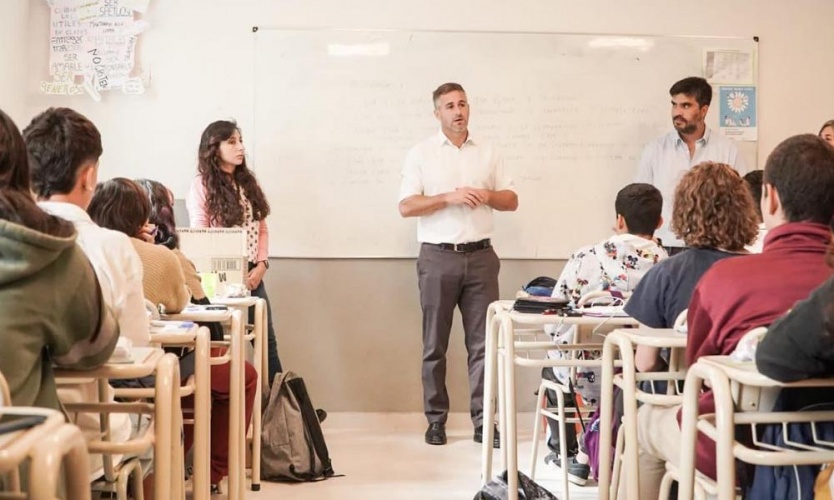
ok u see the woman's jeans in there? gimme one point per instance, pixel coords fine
(272, 344)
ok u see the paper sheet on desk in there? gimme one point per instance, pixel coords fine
(121, 354)
(604, 312)
(158, 326)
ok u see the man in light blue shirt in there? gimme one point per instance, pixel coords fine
(667, 158)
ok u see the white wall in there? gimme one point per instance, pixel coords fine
(13, 65)
(352, 327)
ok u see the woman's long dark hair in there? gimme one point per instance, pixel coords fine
(162, 213)
(222, 199)
(16, 202)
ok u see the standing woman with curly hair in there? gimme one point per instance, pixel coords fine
(225, 193)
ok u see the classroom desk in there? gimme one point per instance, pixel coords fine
(47, 444)
(501, 360)
(164, 435)
(259, 332)
(724, 375)
(625, 340)
(196, 337)
(236, 359)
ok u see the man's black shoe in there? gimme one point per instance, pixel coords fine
(436, 434)
(479, 436)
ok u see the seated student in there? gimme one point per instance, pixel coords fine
(715, 216)
(64, 149)
(38, 326)
(122, 205)
(162, 217)
(800, 344)
(119, 204)
(617, 264)
(753, 181)
(737, 295)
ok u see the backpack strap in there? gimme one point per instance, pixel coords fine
(311, 425)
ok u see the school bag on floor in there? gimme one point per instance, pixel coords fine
(497, 489)
(292, 444)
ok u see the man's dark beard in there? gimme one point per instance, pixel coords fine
(688, 129)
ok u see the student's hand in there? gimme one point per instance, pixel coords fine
(255, 276)
(148, 232)
(468, 196)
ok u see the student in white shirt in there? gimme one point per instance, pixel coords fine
(453, 182)
(666, 159)
(64, 149)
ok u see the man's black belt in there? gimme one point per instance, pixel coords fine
(465, 247)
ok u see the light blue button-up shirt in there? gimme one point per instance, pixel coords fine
(666, 159)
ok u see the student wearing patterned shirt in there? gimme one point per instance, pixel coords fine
(616, 264)
(620, 261)
(225, 193)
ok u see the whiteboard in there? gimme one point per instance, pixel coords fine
(336, 111)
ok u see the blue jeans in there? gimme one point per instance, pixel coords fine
(271, 344)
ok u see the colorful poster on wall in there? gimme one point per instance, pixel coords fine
(738, 117)
(92, 46)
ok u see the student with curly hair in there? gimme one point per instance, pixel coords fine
(715, 216)
(225, 193)
(737, 295)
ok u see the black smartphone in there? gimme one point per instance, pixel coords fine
(11, 423)
(216, 308)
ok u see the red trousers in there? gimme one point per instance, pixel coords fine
(220, 382)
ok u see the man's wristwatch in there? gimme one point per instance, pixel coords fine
(266, 263)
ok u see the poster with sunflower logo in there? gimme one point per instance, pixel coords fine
(738, 117)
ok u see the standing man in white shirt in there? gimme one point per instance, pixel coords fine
(453, 182)
(666, 159)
